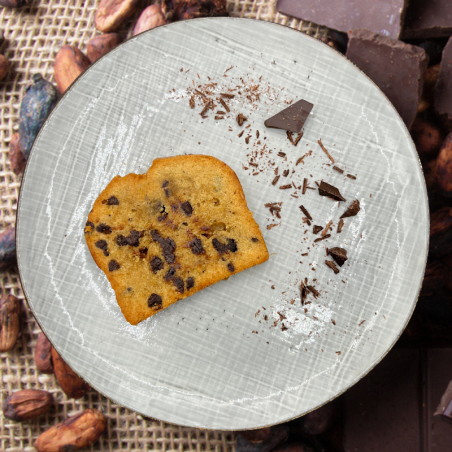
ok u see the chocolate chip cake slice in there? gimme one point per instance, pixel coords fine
(164, 235)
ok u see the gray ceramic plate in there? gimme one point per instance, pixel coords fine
(214, 360)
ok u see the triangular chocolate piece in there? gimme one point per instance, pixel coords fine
(339, 255)
(291, 118)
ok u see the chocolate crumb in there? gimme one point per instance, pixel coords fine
(333, 267)
(322, 238)
(339, 255)
(285, 187)
(254, 239)
(241, 133)
(227, 95)
(317, 229)
(299, 137)
(336, 168)
(190, 282)
(155, 301)
(225, 106)
(241, 119)
(257, 133)
(305, 185)
(290, 137)
(350, 176)
(313, 291)
(103, 229)
(192, 102)
(328, 190)
(247, 140)
(103, 245)
(187, 208)
(156, 264)
(231, 267)
(304, 210)
(89, 224)
(285, 173)
(179, 283)
(196, 246)
(325, 150)
(113, 265)
(162, 217)
(352, 209)
(275, 180)
(143, 252)
(281, 154)
(340, 226)
(253, 164)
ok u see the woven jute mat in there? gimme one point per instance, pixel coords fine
(33, 36)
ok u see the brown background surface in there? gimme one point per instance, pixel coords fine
(33, 36)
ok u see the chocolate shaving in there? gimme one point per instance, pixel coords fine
(187, 208)
(325, 231)
(316, 229)
(322, 238)
(247, 140)
(281, 154)
(257, 133)
(340, 226)
(227, 95)
(285, 173)
(292, 118)
(190, 282)
(113, 265)
(231, 267)
(275, 180)
(336, 168)
(299, 137)
(219, 117)
(328, 190)
(352, 209)
(241, 133)
(339, 255)
(290, 136)
(132, 240)
(241, 119)
(285, 187)
(220, 112)
(333, 267)
(305, 185)
(225, 106)
(325, 150)
(192, 102)
(304, 210)
(156, 264)
(104, 228)
(313, 291)
(112, 201)
(350, 176)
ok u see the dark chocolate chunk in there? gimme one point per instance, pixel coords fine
(143, 252)
(339, 170)
(397, 68)
(231, 267)
(196, 246)
(428, 19)
(113, 265)
(190, 282)
(104, 229)
(168, 246)
(327, 236)
(165, 184)
(330, 191)
(305, 211)
(187, 208)
(344, 15)
(316, 229)
(352, 209)
(103, 245)
(254, 239)
(339, 255)
(112, 201)
(169, 276)
(155, 301)
(133, 239)
(340, 226)
(156, 264)
(179, 283)
(241, 119)
(291, 118)
(333, 267)
(443, 88)
(222, 248)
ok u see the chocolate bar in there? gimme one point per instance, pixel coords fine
(428, 19)
(443, 87)
(381, 17)
(397, 68)
(291, 118)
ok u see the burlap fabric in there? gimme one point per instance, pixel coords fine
(33, 36)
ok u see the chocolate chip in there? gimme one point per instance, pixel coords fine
(104, 229)
(168, 246)
(103, 245)
(155, 301)
(231, 267)
(165, 184)
(187, 208)
(133, 239)
(170, 274)
(179, 283)
(190, 282)
(162, 217)
(196, 246)
(143, 252)
(113, 265)
(167, 192)
(254, 239)
(222, 248)
(156, 264)
(112, 201)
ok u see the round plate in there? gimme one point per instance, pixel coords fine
(244, 352)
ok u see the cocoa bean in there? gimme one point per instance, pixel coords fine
(72, 385)
(4, 66)
(8, 247)
(430, 175)
(70, 62)
(427, 137)
(16, 158)
(444, 166)
(27, 404)
(43, 355)
(74, 433)
(9, 322)
(112, 13)
(441, 233)
(39, 99)
(151, 17)
(100, 45)
(191, 9)
(435, 277)
(278, 434)
(14, 3)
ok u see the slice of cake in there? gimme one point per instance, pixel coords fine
(164, 235)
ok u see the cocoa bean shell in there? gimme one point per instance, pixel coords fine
(39, 99)
(278, 434)
(27, 404)
(112, 13)
(441, 233)
(10, 308)
(8, 247)
(4, 66)
(444, 166)
(74, 433)
(427, 137)
(72, 385)
(150, 18)
(70, 63)
(100, 45)
(43, 355)
(16, 158)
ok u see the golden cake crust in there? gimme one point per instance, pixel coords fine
(164, 235)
